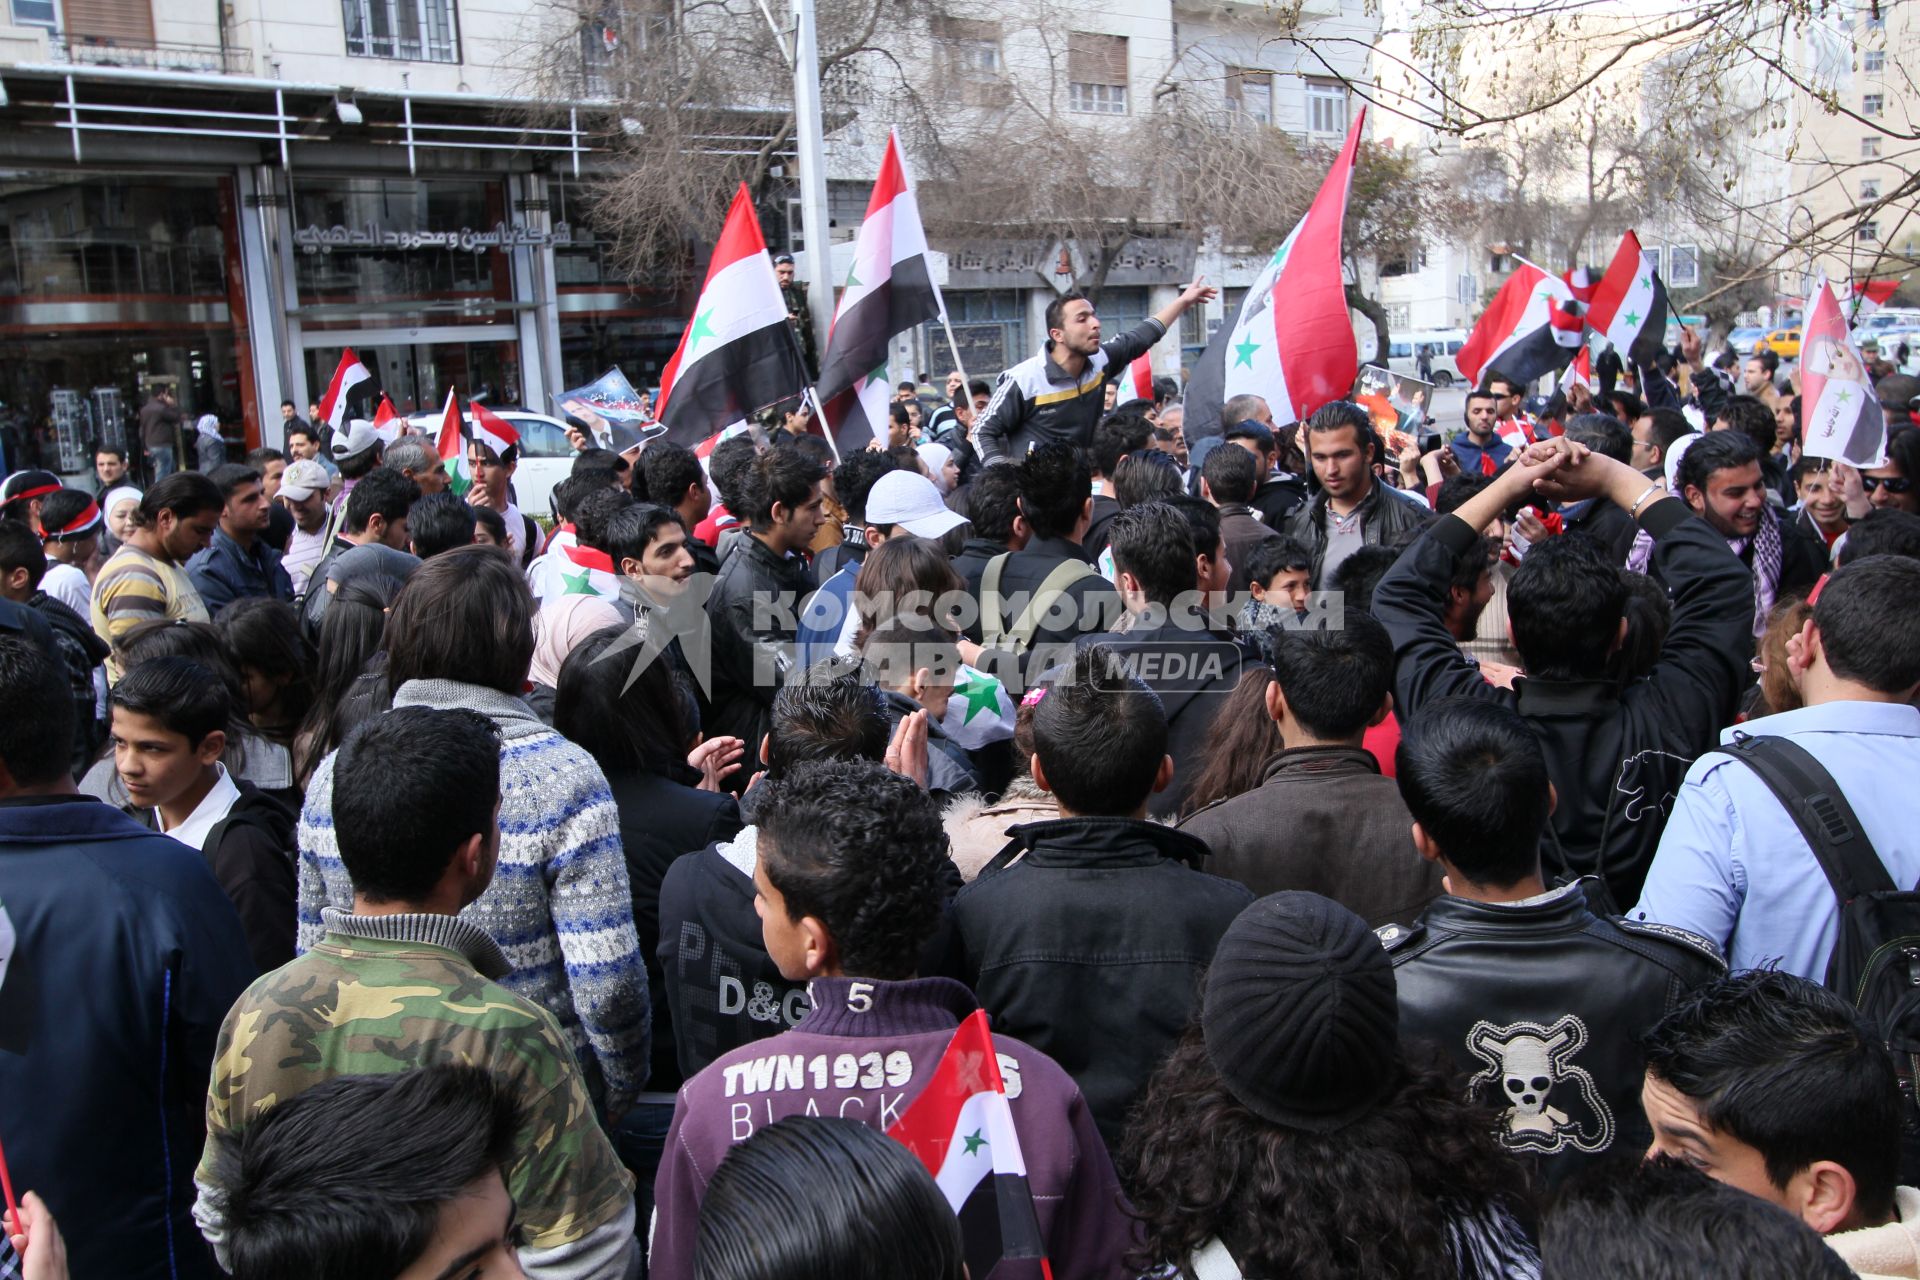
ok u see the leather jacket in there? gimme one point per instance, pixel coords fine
(1542, 1003)
(754, 609)
(1384, 515)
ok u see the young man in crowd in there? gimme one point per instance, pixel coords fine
(146, 579)
(835, 838)
(1476, 613)
(1278, 493)
(1732, 864)
(1323, 818)
(1130, 921)
(23, 574)
(377, 511)
(900, 503)
(1597, 518)
(437, 523)
(122, 956)
(675, 480)
(1721, 480)
(109, 469)
(1538, 999)
(356, 450)
(1615, 754)
(1123, 432)
(993, 506)
(303, 495)
(853, 480)
(492, 471)
(1038, 599)
(402, 980)
(1351, 509)
(1773, 1085)
(238, 564)
(1227, 479)
(304, 443)
(1653, 436)
(272, 466)
(1477, 449)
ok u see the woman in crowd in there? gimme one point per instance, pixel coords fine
(275, 661)
(1242, 739)
(350, 681)
(558, 630)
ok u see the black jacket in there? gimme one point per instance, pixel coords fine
(1803, 555)
(1543, 1004)
(970, 564)
(1616, 755)
(661, 821)
(1087, 938)
(1242, 531)
(1606, 524)
(81, 651)
(851, 549)
(1277, 498)
(754, 606)
(252, 853)
(1384, 516)
(950, 770)
(1091, 605)
(704, 558)
(1104, 510)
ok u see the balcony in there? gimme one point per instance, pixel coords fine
(157, 55)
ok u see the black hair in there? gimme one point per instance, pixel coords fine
(1255, 430)
(440, 522)
(1512, 384)
(263, 455)
(1056, 317)
(1124, 431)
(1457, 490)
(493, 521)
(1769, 360)
(409, 787)
(1806, 465)
(185, 493)
(1232, 475)
(1336, 415)
(1154, 544)
(779, 477)
(182, 695)
(61, 509)
(1786, 1067)
(229, 476)
(630, 715)
(1668, 426)
(348, 1179)
(830, 714)
(567, 494)
(1147, 476)
(465, 615)
(1627, 407)
(1865, 620)
(1273, 556)
(1100, 733)
(1358, 575)
(854, 478)
(200, 641)
(117, 451)
(861, 849)
(898, 412)
(1055, 483)
(892, 653)
(979, 387)
(728, 465)
(1662, 1218)
(1565, 602)
(20, 548)
(992, 502)
(1751, 417)
(1203, 522)
(306, 429)
(1165, 389)
(1602, 433)
(1884, 531)
(670, 470)
(609, 464)
(265, 635)
(594, 513)
(1477, 393)
(381, 492)
(1334, 679)
(823, 1196)
(1475, 778)
(632, 529)
(350, 638)
(36, 714)
(1715, 451)
(1903, 451)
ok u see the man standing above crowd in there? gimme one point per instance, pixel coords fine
(1351, 509)
(1058, 395)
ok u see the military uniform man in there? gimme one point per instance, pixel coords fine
(797, 313)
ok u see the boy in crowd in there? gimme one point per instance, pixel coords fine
(1523, 985)
(1129, 921)
(915, 669)
(836, 839)
(1280, 582)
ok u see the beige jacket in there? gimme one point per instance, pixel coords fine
(977, 829)
(1889, 1251)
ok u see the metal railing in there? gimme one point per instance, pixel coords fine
(158, 55)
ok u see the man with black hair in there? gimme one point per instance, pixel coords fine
(24, 568)
(727, 468)
(1754, 419)
(399, 1175)
(1654, 436)
(1536, 997)
(1122, 433)
(439, 522)
(1720, 476)
(1228, 479)
(1129, 920)
(853, 480)
(993, 505)
(1598, 519)
(1350, 508)
(1041, 597)
(377, 512)
(1057, 396)
(492, 474)
(146, 580)
(675, 480)
(1615, 754)
(1477, 449)
(756, 599)
(1883, 531)
(238, 564)
(1733, 864)
(1323, 818)
(122, 956)
(583, 564)
(1772, 1084)
(109, 469)
(169, 729)
(852, 879)
(416, 814)
(1277, 493)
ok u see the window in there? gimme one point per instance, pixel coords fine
(1683, 266)
(413, 30)
(1399, 316)
(1873, 60)
(1872, 104)
(972, 57)
(1868, 233)
(1250, 93)
(1466, 292)
(1869, 188)
(1870, 148)
(1405, 264)
(34, 13)
(1097, 73)
(1655, 256)
(1326, 107)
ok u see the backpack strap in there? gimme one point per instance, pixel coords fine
(1819, 808)
(993, 632)
(1051, 588)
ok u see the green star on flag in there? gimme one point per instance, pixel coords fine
(1844, 395)
(982, 693)
(974, 1141)
(700, 329)
(581, 585)
(1632, 318)
(853, 280)
(1646, 283)
(1243, 352)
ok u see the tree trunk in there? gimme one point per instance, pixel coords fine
(1378, 315)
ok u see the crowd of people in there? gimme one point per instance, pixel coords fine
(1483, 861)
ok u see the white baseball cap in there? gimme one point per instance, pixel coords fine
(908, 499)
(359, 437)
(302, 479)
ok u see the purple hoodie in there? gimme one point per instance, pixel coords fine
(886, 1038)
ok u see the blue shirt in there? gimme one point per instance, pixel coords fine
(1733, 867)
(1470, 453)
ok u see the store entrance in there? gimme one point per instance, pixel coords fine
(417, 374)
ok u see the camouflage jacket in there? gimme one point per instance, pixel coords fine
(388, 993)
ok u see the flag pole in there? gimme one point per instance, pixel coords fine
(812, 396)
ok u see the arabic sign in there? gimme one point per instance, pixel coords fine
(313, 239)
(1004, 263)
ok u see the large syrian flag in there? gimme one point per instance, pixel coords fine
(889, 291)
(1630, 306)
(961, 1128)
(1291, 341)
(1532, 329)
(1137, 382)
(738, 354)
(452, 445)
(1842, 418)
(347, 375)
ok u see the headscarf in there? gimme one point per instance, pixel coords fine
(561, 626)
(208, 425)
(117, 496)
(935, 456)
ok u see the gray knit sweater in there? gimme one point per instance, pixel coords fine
(560, 905)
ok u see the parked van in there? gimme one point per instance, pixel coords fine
(1439, 345)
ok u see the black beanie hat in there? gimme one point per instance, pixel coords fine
(1300, 1017)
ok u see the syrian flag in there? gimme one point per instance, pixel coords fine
(349, 374)
(1532, 328)
(704, 450)
(493, 431)
(1580, 372)
(386, 423)
(1630, 306)
(1137, 382)
(738, 354)
(1291, 341)
(889, 291)
(1868, 296)
(452, 445)
(1842, 417)
(569, 569)
(961, 1128)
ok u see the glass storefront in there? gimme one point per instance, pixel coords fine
(110, 287)
(604, 320)
(416, 375)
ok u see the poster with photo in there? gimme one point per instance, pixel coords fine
(1398, 404)
(614, 415)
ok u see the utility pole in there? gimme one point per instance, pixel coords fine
(813, 170)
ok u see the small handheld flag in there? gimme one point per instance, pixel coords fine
(1842, 417)
(493, 431)
(347, 375)
(452, 447)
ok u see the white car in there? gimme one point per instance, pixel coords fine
(545, 456)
